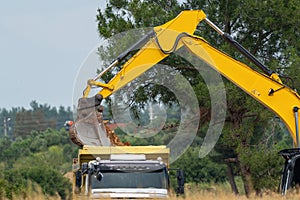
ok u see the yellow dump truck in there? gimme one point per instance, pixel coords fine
(122, 172)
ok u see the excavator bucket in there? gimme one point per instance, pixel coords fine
(89, 128)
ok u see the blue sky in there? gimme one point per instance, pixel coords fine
(42, 45)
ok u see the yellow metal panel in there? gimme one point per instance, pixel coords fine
(88, 153)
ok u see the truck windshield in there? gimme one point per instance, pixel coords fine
(131, 179)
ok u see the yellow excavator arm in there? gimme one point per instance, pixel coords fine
(265, 87)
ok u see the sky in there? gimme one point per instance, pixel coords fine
(42, 46)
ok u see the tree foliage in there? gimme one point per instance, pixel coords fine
(25, 161)
(21, 121)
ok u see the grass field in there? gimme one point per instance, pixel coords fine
(228, 196)
(223, 192)
(192, 192)
(197, 196)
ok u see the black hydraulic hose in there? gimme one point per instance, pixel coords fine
(295, 109)
(123, 55)
(175, 45)
(240, 48)
(137, 45)
(247, 54)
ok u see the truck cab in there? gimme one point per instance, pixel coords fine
(121, 172)
(137, 178)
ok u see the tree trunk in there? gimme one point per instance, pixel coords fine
(231, 179)
(246, 176)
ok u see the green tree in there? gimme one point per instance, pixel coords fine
(42, 158)
(50, 180)
(39, 118)
(200, 170)
(28, 121)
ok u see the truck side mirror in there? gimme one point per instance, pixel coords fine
(78, 181)
(99, 176)
(78, 178)
(180, 182)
